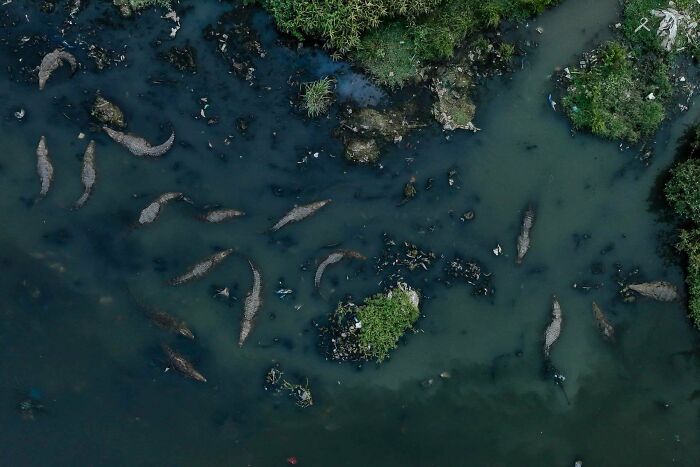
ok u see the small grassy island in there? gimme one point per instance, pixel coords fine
(624, 89)
(372, 330)
(683, 194)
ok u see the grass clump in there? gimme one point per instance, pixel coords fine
(372, 330)
(317, 97)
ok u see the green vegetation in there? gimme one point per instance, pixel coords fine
(384, 319)
(683, 190)
(624, 86)
(392, 39)
(372, 330)
(690, 245)
(683, 194)
(615, 97)
(318, 96)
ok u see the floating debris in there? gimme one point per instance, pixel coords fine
(299, 213)
(218, 216)
(333, 258)
(251, 306)
(402, 257)
(498, 250)
(44, 167)
(524, 237)
(89, 174)
(51, 62)
(657, 290)
(300, 393)
(551, 334)
(150, 213)
(139, 146)
(32, 405)
(182, 365)
(202, 268)
(472, 272)
(606, 329)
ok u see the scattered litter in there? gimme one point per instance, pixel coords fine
(19, 115)
(498, 250)
(552, 102)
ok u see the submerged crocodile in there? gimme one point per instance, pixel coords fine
(44, 167)
(150, 213)
(201, 268)
(168, 322)
(51, 62)
(333, 258)
(299, 213)
(217, 216)
(88, 175)
(252, 304)
(182, 365)
(606, 329)
(524, 237)
(139, 146)
(658, 290)
(551, 334)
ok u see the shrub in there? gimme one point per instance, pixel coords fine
(690, 244)
(683, 190)
(609, 96)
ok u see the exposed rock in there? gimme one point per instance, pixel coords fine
(361, 151)
(363, 128)
(107, 113)
(453, 107)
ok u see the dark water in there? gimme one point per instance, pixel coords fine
(70, 333)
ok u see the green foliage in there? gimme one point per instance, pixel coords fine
(690, 244)
(609, 97)
(683, 190)
(318, 96)
(384, 319)
(341, 22)
(392, 38)
(389, 56)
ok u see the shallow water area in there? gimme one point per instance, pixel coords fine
(72, 335)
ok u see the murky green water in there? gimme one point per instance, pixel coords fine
(70, 333)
